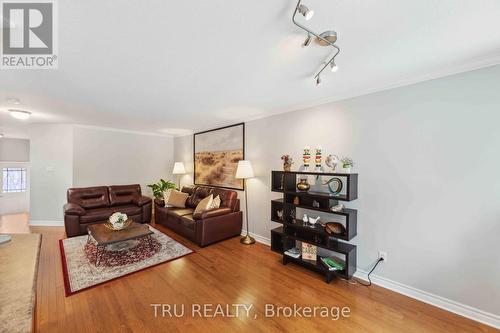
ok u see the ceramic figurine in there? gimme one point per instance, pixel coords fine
(337, 208)
(287, 162)
(313, 221)
(331, 161)
(304, 219)
(317, 160)
(306, 156)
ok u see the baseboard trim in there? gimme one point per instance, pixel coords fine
(481, 316)
(258, 238)
(460, 309)
(46, 223)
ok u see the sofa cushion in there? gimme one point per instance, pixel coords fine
(177, 199)
(128, 209)
(199, 193)
(89, 197)
(188, 221)
(96, 214)
(204, 205)
(123, 194)
(179, 211)
(228, 198)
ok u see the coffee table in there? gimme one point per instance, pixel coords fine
(120, 240)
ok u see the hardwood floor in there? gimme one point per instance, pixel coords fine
(225, 273)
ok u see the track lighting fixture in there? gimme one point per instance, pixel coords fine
(307, 41)
(327, 38)
(306, 12)
(333, 66)
(18, 114)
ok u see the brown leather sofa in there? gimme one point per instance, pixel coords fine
(204, 228)
(89, 205)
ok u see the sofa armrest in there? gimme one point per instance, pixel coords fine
(212, 213)
(73, 209)
(159, 202)
(141, 201)
(214, 229)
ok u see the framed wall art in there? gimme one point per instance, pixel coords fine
(216, 156)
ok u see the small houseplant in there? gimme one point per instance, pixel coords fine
(161, 187)
(347, 164)
(287, 162)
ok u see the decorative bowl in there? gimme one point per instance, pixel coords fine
(118, 227)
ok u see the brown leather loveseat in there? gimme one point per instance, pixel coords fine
(89, 205)
(205, 228)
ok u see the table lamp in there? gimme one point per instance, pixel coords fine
(179, 170)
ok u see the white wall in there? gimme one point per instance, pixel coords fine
(14, 150)
(51, 156)
(183, 152)
(106, 157)
(427, 157)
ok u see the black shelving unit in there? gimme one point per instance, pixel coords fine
(294, 229)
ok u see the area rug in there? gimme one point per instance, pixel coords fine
(80, 271)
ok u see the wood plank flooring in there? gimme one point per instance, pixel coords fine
(225, 273)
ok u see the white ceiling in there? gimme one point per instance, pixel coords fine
(158, 65)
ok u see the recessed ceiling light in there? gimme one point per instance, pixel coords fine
(19, 114)
(1, 135)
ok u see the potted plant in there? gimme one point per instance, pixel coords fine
(161, 187)
(347, 164)
(287, 162)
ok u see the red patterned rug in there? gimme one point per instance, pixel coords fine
(79, 257)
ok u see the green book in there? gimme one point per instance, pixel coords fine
(333, 264)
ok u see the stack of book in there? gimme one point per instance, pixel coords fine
(333, 264)
(293, 252)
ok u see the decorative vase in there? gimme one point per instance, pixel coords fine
(303, 185)
(346, 169)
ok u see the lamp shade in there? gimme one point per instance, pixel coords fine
(179, 168)
(244, 170)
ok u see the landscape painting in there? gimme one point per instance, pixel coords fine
(216, 156)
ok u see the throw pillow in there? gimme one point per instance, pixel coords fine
(215, 203)
(166, 196)
(204, 205)
(177, 199)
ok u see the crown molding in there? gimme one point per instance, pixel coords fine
(119, 130)
(462, 68)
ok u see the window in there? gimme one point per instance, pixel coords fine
(13, 180)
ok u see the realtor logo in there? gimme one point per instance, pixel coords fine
(28, 35)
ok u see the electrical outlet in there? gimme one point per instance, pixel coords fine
(383, 255)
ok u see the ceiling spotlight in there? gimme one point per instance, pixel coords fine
(1, 135)
(318, 81)
(18, 114)
(306, 12)
(334, 67)
(307, 41)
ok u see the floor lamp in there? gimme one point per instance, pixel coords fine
(244, 172)
(179, 169)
